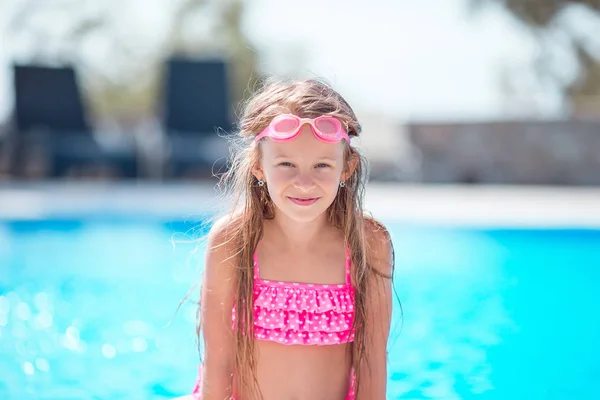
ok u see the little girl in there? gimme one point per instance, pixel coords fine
(296, 299)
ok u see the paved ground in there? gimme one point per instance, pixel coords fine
(440, 205)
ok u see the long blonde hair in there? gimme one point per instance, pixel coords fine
(252, 205)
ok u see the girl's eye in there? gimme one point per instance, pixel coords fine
(323, 165)
(285, 164)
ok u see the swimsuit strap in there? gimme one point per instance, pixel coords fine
(256, 270)
(348, 266)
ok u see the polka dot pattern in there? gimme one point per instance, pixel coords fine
(302, 313)
(319, 300)
(329, 321)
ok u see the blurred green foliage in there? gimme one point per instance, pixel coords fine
(552, 26)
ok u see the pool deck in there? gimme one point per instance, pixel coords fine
(489, 206)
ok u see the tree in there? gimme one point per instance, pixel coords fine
(563, 28)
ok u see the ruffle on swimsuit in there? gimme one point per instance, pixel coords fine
(303, 313)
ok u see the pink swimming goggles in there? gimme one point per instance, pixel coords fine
(287, 126)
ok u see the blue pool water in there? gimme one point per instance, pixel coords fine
(87, 311)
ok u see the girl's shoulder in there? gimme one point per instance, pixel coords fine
(379, 245)
(376, 231)
(221, 256)
(225, 227)
(223, 234)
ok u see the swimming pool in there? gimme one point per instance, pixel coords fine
(87, 311)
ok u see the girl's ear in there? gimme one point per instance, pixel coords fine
(350, 166)
(258, 172)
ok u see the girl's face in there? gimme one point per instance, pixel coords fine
(303, 174)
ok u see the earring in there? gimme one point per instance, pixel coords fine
(261, 182)
(342, 184)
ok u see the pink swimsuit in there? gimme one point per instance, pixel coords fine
(292, 313)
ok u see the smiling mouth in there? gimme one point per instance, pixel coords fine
(304, 201)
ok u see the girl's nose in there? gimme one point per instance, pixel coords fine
(304, 182)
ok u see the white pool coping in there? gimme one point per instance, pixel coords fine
(486, 206)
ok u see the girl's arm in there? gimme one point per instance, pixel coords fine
(216, 305)
(373, 379)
